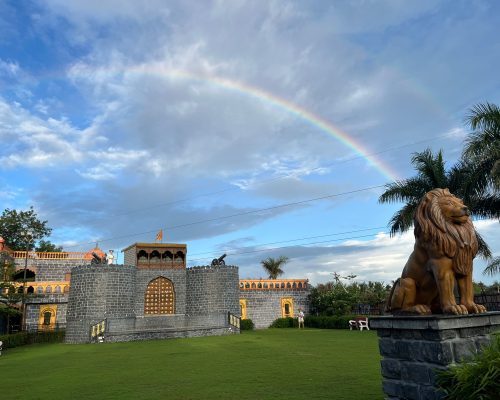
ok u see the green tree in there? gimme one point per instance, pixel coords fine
(482, 146)
(273, 266)
(461, 180)
(14, 225)
(482, 149)
(9, 298)
(47, 246)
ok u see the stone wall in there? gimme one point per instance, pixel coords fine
(99, 292)
(34, 302)
(264, 306)
(48, 270)
(414, 348)
(212, 290)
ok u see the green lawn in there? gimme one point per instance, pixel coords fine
(265, 364)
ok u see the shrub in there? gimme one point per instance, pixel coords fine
(477, 378)
(328, 322)
(246, 325)
(23, 338)
(287, 322)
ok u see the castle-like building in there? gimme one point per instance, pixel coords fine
(153, 295)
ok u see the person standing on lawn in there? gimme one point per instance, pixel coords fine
(301, 318)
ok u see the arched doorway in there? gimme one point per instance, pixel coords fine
(159, 297)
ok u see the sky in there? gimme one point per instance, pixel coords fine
(251, 128)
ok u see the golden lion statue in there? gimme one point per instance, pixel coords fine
(445, 245)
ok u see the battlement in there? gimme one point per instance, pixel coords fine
(274, 284)
(200, 268)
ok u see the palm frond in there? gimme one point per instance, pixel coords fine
(493, 267)
(402, 220)
(483, 116)
(484, 250)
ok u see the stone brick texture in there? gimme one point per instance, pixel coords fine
(415, 348)
(264, 306)
(115, 293)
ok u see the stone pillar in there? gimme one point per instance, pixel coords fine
(414, 347)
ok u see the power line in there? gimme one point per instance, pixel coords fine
(234, 215)
(284, 247)
(295, 240)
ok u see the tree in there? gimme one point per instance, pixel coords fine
(273, 266)
(47, 246)
(482, 146)
(9, 297)
(15, 224)
(463, 180)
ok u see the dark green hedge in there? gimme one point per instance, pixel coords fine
(328, 322)
(310, 321)
(246, 325)
(285, 323)
(22, 338)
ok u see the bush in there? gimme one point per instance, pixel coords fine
(23, 338)
(327, 322)
(287, 322)
(477, 378)
(246, 325)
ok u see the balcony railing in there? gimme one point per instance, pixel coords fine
(62, 255)
(274, 284)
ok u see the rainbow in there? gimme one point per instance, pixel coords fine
(269, 98)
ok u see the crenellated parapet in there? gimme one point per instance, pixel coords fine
(274, 284)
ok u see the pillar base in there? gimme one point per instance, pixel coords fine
(413, 348)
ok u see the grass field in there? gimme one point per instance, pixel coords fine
(265, 364)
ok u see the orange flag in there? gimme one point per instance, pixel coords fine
(159, 235)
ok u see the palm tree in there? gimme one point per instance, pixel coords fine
(273, 266)
(462, 180)
(482, 149)
(483, 145)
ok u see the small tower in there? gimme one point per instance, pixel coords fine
(156, 255)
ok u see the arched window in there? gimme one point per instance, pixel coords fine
(39, 289)
(168, 256)
(155, 256)
(58, 289)
(142, 256)
(48, 289)
(179, 257)
(300, 285)
(47, 315)
(287, 307)
(288, 285)
(259, 285)
(31, 289)
(159, 297)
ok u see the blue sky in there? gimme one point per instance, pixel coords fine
(119, 118)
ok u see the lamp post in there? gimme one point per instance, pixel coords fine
(28, 234)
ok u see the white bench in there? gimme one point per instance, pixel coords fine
(359, 323)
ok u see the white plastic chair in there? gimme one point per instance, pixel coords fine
(363, 323)
(353, 324)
